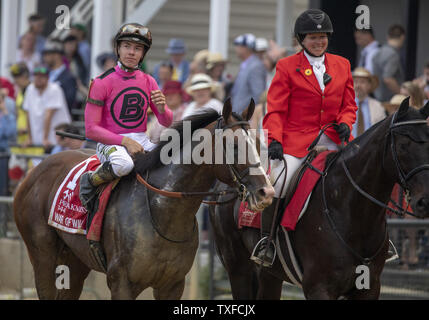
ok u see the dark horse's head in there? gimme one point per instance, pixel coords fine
(409, 144)
(243, 167)
(227, 152)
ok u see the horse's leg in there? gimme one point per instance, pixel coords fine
(316, 287)
(365, 294)
(373, 293)
(78, 272)
(121, 288)
(170, 292)
(43, 246)
(270, 287)
(243, 280)
(319, 292)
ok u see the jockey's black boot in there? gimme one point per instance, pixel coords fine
(264, 253)
(89, 183)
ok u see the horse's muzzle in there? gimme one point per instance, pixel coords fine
(421, 207)
(261, 199)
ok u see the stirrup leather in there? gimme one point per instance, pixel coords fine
(260, 261)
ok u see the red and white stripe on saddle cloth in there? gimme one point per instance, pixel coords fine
(297, 205)
(67, 212)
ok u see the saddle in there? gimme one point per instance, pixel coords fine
(244, 217)
(297, 176)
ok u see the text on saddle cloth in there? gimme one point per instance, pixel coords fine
(67, 212)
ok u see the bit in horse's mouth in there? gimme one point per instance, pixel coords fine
(257, 205)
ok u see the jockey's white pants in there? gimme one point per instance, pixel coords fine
(277, 172)
(121, 161)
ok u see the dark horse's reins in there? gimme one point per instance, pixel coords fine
(237, 178)
(402, 176)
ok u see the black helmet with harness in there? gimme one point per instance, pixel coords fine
(133, 32)
(312, 21)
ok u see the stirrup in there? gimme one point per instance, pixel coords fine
(260, 261)
(395, 252)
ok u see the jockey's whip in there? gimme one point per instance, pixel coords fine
(70, 135)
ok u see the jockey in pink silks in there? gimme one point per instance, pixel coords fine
(116, 111)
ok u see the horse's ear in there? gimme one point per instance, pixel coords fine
(248, 113)
(403, 108)
(425, 110)
(227, 109)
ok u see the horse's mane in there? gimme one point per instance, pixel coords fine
(151, 160)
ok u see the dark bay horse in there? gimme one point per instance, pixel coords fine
(149, 240)
(393, 151)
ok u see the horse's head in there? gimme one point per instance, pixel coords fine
(409, 143)
(240, 164)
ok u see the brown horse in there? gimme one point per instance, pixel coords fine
(343, 227)
(149, 240)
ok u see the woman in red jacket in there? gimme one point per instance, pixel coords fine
(310, 89)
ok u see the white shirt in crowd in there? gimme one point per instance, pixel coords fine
(31, 62)
(212, 103)
(36, 105)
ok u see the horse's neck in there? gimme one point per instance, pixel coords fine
(365, 164)
(364, 160)
(180, 178)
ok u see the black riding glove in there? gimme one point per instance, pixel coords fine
(343, 131)
(275, 150)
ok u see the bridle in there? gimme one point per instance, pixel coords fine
(237, 177)
(241, 191)
(402, 177)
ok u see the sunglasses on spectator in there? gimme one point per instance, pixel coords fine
(40, 70)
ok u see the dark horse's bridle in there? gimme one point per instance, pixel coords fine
(402, 177)
(241, 191)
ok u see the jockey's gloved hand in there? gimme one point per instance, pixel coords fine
(275, 150)
(343, 131)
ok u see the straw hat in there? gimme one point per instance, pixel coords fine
(394, 103)
(200, 81)
(213, 58)
(364, 73)
(201, 56)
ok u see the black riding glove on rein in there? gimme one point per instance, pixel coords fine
(343, 131)
(275, 150)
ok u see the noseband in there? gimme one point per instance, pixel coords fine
(237, 177)
(403, 178)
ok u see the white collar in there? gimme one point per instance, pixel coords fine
(315, 60)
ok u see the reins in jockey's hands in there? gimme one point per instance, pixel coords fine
(158, 99)
(275, 150)
(133, 147)
(343, 131)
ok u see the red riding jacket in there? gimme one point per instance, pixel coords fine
(296, 107)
